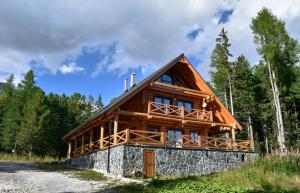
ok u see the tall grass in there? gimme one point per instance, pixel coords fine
(271, 174)
(26, 158)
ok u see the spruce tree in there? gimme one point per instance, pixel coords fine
(243, 83)
(222, 74)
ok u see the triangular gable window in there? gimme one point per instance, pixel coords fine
(166, 79)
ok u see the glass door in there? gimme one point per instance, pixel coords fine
(174, 137)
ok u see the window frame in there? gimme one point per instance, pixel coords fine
(161, 79)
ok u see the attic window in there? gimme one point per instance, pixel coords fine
(166, 79)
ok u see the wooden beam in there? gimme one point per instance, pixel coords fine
(178, 90)
(116, 128)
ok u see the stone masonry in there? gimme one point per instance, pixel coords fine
(123, 159)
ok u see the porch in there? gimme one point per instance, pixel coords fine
(157, 139)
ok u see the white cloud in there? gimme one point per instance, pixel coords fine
(147, 33)
(70, 68)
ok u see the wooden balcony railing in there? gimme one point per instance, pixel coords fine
(179, 112)
(161, 139)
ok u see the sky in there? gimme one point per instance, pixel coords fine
(91, 46)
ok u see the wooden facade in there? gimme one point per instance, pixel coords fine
(173, 107)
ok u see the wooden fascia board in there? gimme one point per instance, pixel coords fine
(178, 90)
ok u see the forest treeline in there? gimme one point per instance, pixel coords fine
(33, 122)
(264, 97)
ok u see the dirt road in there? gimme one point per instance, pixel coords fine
(26, 177)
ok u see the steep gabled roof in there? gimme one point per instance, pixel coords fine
(144, 83)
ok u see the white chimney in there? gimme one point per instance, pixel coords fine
(133, 79)
(125, 85)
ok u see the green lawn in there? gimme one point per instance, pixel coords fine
(269, 175)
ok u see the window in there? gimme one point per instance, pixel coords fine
(174, 136)
(160, 101)
(167, 79)
(187, 105)
(194, 137)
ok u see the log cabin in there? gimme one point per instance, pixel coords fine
(169, 124)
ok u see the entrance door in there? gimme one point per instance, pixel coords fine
(149, 163)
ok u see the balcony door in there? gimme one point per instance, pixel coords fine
(174, 137)
(161, 101)
(187, 105)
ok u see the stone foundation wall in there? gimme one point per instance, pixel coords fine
(168, 161)
(99, 160)
(184, 162)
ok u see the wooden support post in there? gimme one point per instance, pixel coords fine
(101, 135)
(69, 150)
(162, 135)
(82, 142)
(252, 144)
(199, 140)
(75, 148)
(127, 135)
(116, 128)
(182, 112)
(91, 138)
(149, 107)
(204, 135)
(233, 138)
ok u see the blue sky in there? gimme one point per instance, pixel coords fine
(91, 47)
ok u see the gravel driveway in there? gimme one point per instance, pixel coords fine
(25, 177)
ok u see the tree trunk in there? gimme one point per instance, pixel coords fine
(230, 95)
(266, 139)
(279, 120)
(266, 145)
(225, 99)
(250, 131)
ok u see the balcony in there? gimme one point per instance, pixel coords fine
(160, 139)
(179, 112)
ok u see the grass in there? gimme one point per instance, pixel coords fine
(26, 158)
(266, 175)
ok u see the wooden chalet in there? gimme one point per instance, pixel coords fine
(173, 107)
